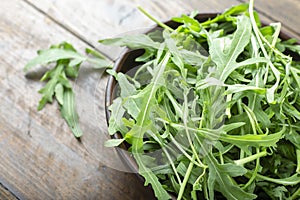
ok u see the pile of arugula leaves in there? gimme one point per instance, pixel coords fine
(214, 111)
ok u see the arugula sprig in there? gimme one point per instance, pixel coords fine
(67, 63)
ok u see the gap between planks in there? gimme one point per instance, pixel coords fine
(6, 194)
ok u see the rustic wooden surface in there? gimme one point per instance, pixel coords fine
(39, 158)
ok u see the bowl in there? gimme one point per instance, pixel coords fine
(125, 63)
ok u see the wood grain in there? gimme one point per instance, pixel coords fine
(40, 159)
(39, 156)
(5, 194)
(92, 20)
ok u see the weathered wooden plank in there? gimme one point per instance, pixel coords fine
(93, 20)
(40, 159)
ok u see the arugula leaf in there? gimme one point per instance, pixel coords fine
(68, 112)
(52, 55)
(220, 179)
(225, 58)
(59, 93)
(48, 90)
(117, 113)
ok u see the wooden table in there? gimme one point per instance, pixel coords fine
(39, 157)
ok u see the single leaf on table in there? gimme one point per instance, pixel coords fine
(53, 55)
(59, 93)
(69, 113)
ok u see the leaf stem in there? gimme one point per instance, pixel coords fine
(270, 93)
(172, 165)
(292, 180)
(240, 110)
(186, 178)
(155, 20)
(184, 152)
(298, 161)
(254, 174)
(276, 34)
(185, 117)
(250, 158)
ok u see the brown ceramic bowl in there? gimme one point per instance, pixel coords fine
(127, 62)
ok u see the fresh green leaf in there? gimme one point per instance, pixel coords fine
(52, 55)
(59, 93)
(69, 113)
